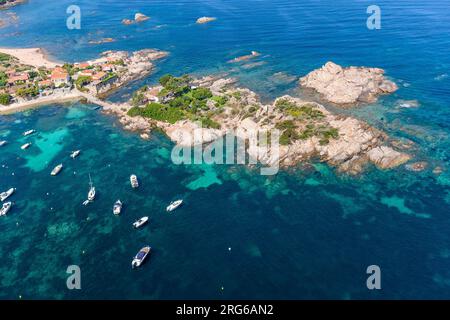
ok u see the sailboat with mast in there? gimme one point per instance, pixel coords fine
(91, 193)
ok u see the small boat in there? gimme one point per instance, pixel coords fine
(5, 208)
(5, 195)
(91, 193)
(29, 132)
(117, 209)
(86, 202)
(173, 205)
(3, 142)
(25, 146)
(75, 154)
(57, 170)
(134, 181)
(140, 222)
(140, 257)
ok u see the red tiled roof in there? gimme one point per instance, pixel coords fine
(18, 77)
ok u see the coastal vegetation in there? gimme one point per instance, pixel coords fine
(5, 99)
(4, 57)
(179, 100)
(307, 123)
(31, 91)
(82, 81)
(3, 79)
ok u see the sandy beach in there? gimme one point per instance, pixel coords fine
(35, 57)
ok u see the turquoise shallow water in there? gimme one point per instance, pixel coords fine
(305, 233)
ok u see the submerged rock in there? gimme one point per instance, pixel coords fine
(127, 21)
(406, 104)
(438, 170)
(252, 55)
(417, 166)
(101, 41)
(348, 86)
(386, 158)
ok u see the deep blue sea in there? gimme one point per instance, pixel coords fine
(305, 233)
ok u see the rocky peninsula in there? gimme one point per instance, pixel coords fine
(180, 105)
(309, 131)
(348, 86)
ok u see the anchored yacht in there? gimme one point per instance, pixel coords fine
(174, 205)
(29, 132)
(140, 257)
(117, 209)
(75, 154)
(134, 181)
(140, 222)
(56, 170)
(25, 146)
(5, 195)
(5, 208)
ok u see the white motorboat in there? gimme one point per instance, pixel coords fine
(91, 193)
(25, 146)
(134, 181)
(5, 195)
(140, 257)
(29, 132)
(140, 222)
(3, 142)
(75, 154)
(117, 209)
(174, 205)
(5, 208)
(57, 170)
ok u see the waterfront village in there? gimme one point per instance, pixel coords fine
(20, 83)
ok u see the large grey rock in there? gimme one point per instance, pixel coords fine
(348, 86)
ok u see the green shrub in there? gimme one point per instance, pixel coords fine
(158, 112)
(4, 57)
(286, 124)
(201, 93)
(209, 123)
(177, 86)
(288, 136)
(220, 100)
(252, 109)
(28, 92)
(183, 102)
(5, 99)
(284, 104)
(82, 81)
(138, 98)
(3, 79)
